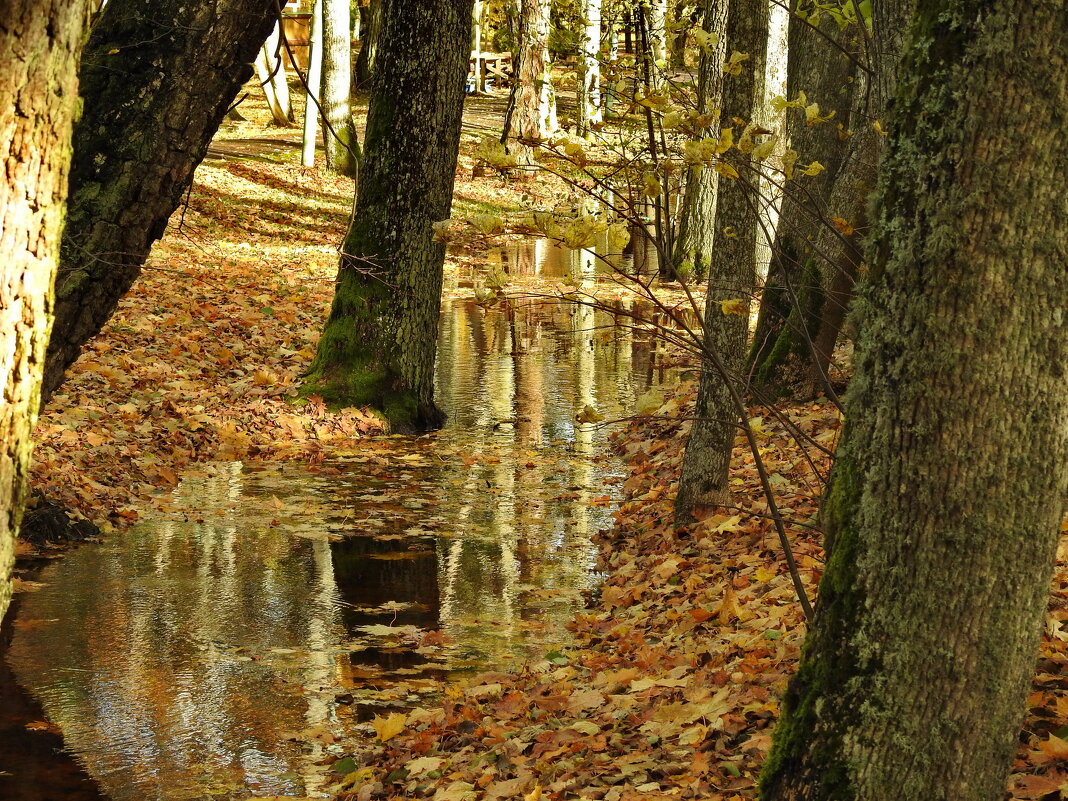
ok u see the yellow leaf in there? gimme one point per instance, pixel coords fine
(734, 63)
(113, 51)
(813, 116)
(765, 148)
(843, 226)
(734, 306)
(652, 186)
(726, 170)
(878, 128)
(726, 140)
(588, 415)
(387, 727)
(789, 159)
(813, 169)
(533, 795)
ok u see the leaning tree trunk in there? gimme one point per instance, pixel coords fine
(156, 82)
(949, 485)
(379, 342)
(339, 132)
(792, 301)
(39, 47)
(731, 274)
(697, 217)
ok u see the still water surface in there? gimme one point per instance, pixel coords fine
(271, 605)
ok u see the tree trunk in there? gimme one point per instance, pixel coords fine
(535, 112)
(276, 62)
(589, 67)
(731, 276)
(339, 133)
(155, 85)
(263, 75)
(313, 86)
(793, 300)
(948, 488)
(39, 47)
(697, 217)
(372, 24)
(379, 342)
(479, 65)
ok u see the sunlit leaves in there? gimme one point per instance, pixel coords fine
(387, 727)
(813, 116)
(733, 65)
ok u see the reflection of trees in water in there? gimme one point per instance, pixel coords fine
(154, 697)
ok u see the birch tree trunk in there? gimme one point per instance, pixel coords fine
(589, 67)
(149, 112)
(313, 87)
(949, 485)
(379, 342)
(40, 42)
(339, 134)
(276, 62)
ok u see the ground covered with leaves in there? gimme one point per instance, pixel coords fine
(671, 685)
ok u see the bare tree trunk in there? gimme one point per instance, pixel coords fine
(948, 490)
(589, 67)
(313, 86)
(340, 133)
(535, 113)
(731, 275)
(149, 112)
(40, 42)
(263, 75)
(276, 62)
(476, 47)
(697, 217)
(379, 342)
(372, 24)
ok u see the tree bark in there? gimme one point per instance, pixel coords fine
(535, 112)
(372, 24)
(155, 84)
(949, 485)
(697, 217)
(40, 43)
(313, 86)
(589, 67)
(731, 276)
(824, 67)
(276, 62)
(340, 132)
(379, 342)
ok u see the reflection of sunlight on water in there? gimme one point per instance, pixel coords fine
(194, 654)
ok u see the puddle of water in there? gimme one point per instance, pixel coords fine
(540, 257)
(275, 604)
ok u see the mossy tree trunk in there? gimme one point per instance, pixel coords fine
(40, 41)
(822, 64)
(731, 276)
(949, 486)
(379, 342)
(156, 81)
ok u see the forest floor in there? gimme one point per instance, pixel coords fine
(672, 685)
